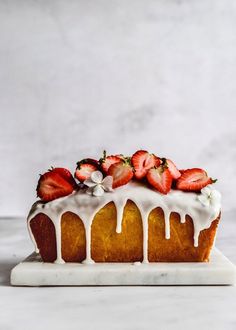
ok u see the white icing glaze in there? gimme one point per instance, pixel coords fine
(146, 199)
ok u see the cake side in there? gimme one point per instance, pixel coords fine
(109, 246)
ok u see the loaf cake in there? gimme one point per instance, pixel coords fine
(125, 209)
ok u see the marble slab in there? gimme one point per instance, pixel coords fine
(33, 272)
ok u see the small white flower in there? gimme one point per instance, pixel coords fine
(209, 196)
(97, 185)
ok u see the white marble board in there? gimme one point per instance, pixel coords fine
(33, 272)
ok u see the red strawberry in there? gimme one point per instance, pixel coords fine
(173, 169)
(121, 172)
(142, 161)
(66, 174)
(84, 171)
(193, 179)
(88, 161)
(160, 178)
(52, 185)
(107, 161)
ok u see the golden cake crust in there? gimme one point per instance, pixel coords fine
(109, 246)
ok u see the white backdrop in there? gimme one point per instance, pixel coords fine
(80, 76)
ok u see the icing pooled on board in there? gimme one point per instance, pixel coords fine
(203, 208)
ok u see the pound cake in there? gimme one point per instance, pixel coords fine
(125, 209)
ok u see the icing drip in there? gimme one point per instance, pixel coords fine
(182, 217)
(167, 223)
(146, 199)
(57, 225)
(145, 236)
(88, 227)
(195, 237)
(120, 205)
(32, 236)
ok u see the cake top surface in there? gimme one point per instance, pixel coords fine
(208, 201)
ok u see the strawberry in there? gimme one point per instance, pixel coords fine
(121, 172)
(88, 161)
(160, 178)
(66, 174)
(193, 179)
(173, 169)
(107, 161)
(84, 171)
(52, 185)
(142, 161)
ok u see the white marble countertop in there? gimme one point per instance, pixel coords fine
(111, 307)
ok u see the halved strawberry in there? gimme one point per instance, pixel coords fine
(84, 171)
(88, 161)
(142, 161)
(173, 169)
(193, 179)
(160, 178)
(107, 161)
(121, 172)
(52, 185)
(66, 174)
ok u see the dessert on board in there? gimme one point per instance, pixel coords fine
(138, 208)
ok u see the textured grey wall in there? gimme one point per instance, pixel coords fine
(80, 76)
